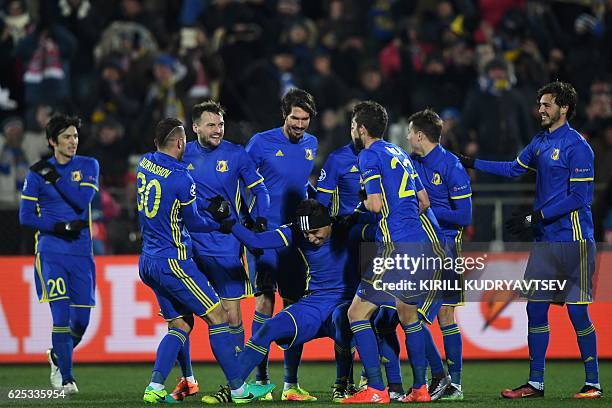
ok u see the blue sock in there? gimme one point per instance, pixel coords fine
(60, 337)
(433, 355)
(184, 358)
(343, 345)
(237, 333)
(415, 344)
(256, 349)
(367, 346)
(344, 363)
(79, 320)
(386, 322)
(261, 374)
(587, 340)
(293, 356)
(537, 338)
(167, 351)
(453, 348)
(222, 345)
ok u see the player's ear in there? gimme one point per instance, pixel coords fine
(194, 126)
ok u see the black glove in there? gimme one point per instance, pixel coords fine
(219, 208)
(256, 251)
(346, 222)
(363, 195)
(226, 225)
(46, 170)
(261, 224)
(466, 161)
(522, 221)
(70, 230)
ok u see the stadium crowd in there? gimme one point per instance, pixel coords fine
(123, 65)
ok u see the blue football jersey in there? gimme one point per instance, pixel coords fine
(164, 186)
(446, 182)
(338, 185)
(223, 170)
(285, 167)
(386, 169)
(43, 204)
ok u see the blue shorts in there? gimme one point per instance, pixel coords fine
(280, 268)
(227, 275)
(572, 262)
(63, 276)
(181, 289)
(313, 318)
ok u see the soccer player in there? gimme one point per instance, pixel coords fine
(219, 167)
(167, 209)
(284, 156)
(562, 225)
(56, 201)
(448, 187)
(330, 284)
(387, 175)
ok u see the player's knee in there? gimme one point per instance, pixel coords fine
(579, 315)
(356, 313)
(264, 303)
(216, 316)
(179, 324)
(408, 314)
(79, 319)
(537, 312)
(386, 318)
(234, 315)
(60, 312)
(446, 316)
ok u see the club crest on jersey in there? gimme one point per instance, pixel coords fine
(309, 155)
(222, 166)
(76, 175)
(555, 154)
(436, 180)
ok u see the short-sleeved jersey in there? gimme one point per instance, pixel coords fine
(386, 169)
(223, 170)
(285, 167)
(445, 181)
(338, 185)
(330, 268)
(81, 172)
(164, 186)
(559, 159)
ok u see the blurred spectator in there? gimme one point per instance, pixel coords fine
(35, 144)
(372, 86)
(110, 149)
(134, 11)
(17, 20)
(602, 147)
(13, 162)
(328, 89)
(451, 135)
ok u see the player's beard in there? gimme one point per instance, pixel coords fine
(359, 145)
(550, 120)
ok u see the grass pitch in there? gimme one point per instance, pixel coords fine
(122, 385)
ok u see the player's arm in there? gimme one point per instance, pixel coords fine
(422, 195)
(28, 214)
(580, 163)
(186, 194)
(370, 174)
(255, 182)
(279, 238)
(510, 169)
(327, 182)
(79, 195)
(460, 194)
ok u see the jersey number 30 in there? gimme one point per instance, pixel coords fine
(144, 194)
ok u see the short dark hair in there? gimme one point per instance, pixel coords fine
(206, 106)
(564, 94)
(298, 98)
(373, 116)
(310, 207)
(60, 122)
(164, 129)
(428, 122)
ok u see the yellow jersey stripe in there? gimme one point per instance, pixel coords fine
(255, 183)
(188, 202)
(461, 196)
(90, 185)
(45, 296)
(518, 160)
(190, 284)
(282, 236)
(582, 179)
(325, 190)
(371, 178)
(308, 276)
(25, 197)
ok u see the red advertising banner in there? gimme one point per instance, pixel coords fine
(125, 326)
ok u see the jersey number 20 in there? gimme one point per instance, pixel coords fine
(144, 193)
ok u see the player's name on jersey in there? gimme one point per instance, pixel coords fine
(476, 285)
(155, 168)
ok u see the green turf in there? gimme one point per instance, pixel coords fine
(122, 385)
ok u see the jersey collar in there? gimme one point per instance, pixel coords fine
(559, 131)
(163, 157)
(434, 156)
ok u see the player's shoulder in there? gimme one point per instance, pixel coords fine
(232, 147)
(575, 139)
(266, 135)
(87, 160)
(191, 146)
(309, 139)
(451, 161)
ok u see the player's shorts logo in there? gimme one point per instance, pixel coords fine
(436, 179)
(555, 154)
(309, 155)
(76, 175)
(222, 166)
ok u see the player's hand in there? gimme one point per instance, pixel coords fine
(363, 196)
(256, 251)
(261, 224)
(522, 221)
(346, 222)
(219, 208)
(466, 161)
(46, 170)
(226, 225)
(70, 230)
